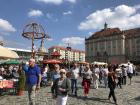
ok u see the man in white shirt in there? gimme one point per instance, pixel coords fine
(130, 71)
(74, 77)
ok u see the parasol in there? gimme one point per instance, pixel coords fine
(52, 61)
(7, 53)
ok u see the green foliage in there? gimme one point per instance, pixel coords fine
(22, 79)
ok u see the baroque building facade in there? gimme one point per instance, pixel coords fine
(113, 45)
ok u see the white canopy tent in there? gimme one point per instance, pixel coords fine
(99, 63)
(125, 64)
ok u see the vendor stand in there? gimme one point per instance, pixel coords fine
(7, 85)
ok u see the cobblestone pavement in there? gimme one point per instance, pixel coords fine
(128, 95)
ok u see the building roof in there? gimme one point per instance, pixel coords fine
(105, 32)
(16, 49)
(132, 32)
(63, 48)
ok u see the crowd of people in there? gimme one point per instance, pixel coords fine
(64, 82)
(111, 76)
(9, 72)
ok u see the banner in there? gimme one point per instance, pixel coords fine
(6, 84)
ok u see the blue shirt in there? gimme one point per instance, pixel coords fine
(32, 75)
(55, 76)
(25, 68)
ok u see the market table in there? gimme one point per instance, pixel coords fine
(7, 85)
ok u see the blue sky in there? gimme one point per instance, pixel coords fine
(66, 21)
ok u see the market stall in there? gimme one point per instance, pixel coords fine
(8, 86)
(5, 53)
(99, 63)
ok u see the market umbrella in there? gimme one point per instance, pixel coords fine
(16, 62)
(6, 53)
(52, 61)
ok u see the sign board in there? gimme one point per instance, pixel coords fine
(6, 84)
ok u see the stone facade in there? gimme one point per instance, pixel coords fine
(113, 45)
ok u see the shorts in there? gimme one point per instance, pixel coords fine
(130, 75)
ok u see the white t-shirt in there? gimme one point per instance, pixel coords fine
(105, 71)
(97, 71)
(87, 74)
(75, 73)
(130, 69)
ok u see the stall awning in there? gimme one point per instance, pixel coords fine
(6, 53)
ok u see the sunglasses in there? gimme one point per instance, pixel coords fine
(62, 72)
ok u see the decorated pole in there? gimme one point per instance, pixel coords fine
(34, 32)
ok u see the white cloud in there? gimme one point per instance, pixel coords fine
(122, 16)
(56, 2)
(71, 1)
(5, 26)
(67, 13)
(35, 13)
(73, 40)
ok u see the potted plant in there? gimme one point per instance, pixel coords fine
(22, 79)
